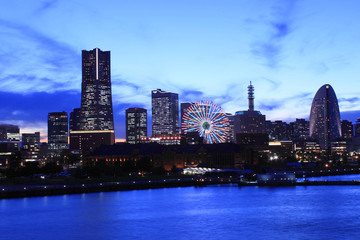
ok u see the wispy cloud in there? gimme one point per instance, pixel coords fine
(32, 61)
(279, 26)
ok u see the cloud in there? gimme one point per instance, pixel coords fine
(31, 61)
(46, 5)
(277, 29)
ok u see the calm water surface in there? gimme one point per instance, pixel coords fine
(213, 212)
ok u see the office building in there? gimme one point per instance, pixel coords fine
(96, 124)
(136, 125)
(165, 112)
(325, 117)
(58, 131)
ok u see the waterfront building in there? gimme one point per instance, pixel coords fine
(164, 139)
(227, 155)
(250, 121)
(347, 129)
(325, 117)
(136, 125)
(165, 112)
(58, 132)
(96, 112)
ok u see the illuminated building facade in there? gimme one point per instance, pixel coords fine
(325, 117)
(31, 146)
(95, 124)
(136, 125)
(165, 112)
(250, 121)
(9, 138)
(58, 131)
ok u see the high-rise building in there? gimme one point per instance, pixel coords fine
(250, 121)
(136, 125)
(58, 131)
(347, 129)
(165, 112)
(96, 112)
(325, 117)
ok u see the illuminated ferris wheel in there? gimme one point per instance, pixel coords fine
(208, 119)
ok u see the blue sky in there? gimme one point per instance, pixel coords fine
(201, 49)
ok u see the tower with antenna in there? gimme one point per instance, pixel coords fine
(251, 97)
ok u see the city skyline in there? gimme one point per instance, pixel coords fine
(202, 51)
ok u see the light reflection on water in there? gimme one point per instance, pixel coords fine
(213, 212)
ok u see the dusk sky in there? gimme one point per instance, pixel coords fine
(201, 49)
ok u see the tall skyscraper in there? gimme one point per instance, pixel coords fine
(136, 125)
(165, 112)
(96, 112)
(58, 131)
(325, 117)
(96, 101)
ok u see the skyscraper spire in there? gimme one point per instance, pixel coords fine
(251, 97)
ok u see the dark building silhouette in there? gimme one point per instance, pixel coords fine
(357, 127)
(165, 112)
(347, 129)
(231, 135)
(300, 129)
(278, 130)
(58, 131)
(136, 125)
(250, 121)
(325, 117)
(96, 112)
(183, 109)
(74, 123)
